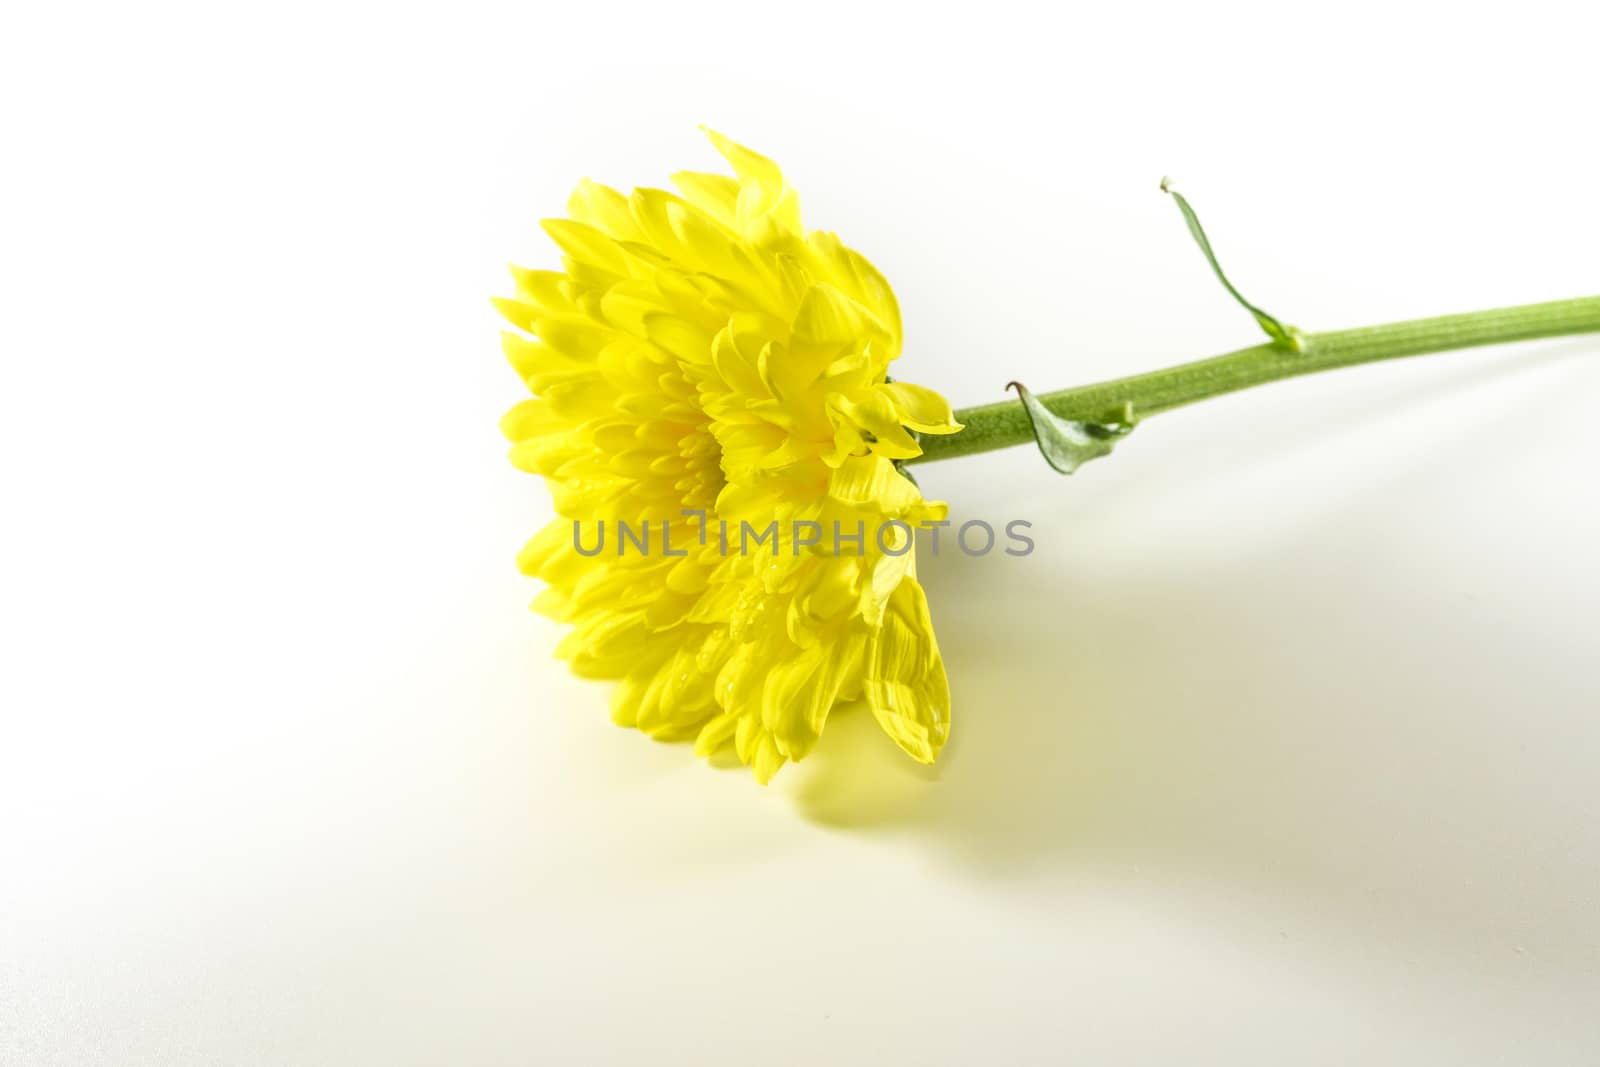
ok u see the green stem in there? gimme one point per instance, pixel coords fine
(1004, 424)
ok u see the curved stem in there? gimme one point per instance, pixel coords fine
(1004, 424)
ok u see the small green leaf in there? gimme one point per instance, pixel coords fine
(1274, 329)
(1066, 444)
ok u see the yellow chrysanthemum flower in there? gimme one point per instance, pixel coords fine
(704, 363)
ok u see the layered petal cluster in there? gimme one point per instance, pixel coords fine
(703, 365)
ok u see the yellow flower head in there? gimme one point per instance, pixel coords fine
(703, 368)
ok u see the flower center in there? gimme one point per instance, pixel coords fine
(700, 469)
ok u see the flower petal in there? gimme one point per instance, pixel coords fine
(905, 683)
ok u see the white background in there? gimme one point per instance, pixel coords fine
(1282, 747)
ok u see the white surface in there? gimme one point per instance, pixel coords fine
(1282, 747)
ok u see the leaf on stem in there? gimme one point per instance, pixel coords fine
(1067, 444)
(1274, 329)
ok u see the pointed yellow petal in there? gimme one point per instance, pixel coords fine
(921, 408)
(905, 684)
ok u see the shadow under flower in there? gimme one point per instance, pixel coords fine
(1316, 708)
